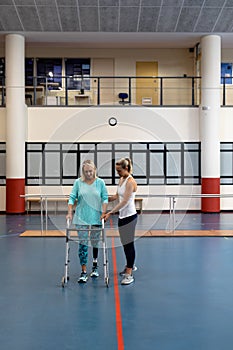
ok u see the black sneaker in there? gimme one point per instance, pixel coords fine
(83, 277)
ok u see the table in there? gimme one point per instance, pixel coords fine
(33, 88)
(82, 99)
(52, 100)
(48, 84)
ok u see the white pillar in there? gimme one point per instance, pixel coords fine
(15, 123)
(209, 120)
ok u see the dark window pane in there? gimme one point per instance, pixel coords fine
(2, 71)
(49, 72)
(29, 71)
(78, 72)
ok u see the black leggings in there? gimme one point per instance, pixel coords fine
(95, 253)
(126, 228)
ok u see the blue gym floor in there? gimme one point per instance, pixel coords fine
(182, 298)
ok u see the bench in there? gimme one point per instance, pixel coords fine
(30, 200)
(56, 201)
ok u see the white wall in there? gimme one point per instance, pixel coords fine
(226, 125)
(134, 124)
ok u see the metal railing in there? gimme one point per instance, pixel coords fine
(100, 91)
(105, 90)
(173, 199)
(43, 198)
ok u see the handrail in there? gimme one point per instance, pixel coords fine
(172, 202)
(193, 89)
(43, 198)
(155, 87)
(173, 197)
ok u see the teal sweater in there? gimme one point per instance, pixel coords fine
(89, 201)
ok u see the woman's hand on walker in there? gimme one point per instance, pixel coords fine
(69, 216)
(105, 216)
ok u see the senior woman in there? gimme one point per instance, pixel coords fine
(91, 195)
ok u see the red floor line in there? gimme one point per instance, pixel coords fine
(119, 330)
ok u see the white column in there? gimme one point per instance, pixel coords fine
(15, 123)
(209, 119)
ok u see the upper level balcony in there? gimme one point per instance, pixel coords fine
(151, 91)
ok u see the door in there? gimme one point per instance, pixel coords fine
(146, 89)
(103, 67)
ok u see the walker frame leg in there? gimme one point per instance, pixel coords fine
(65, 278)
(105, 256)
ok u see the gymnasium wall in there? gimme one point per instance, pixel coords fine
(134, 124)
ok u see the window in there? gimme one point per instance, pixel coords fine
(2, 71)
(78, 72)
(29, 71)
(2, 163)
(192, 163)
(226, 73)
(49, 71)
(226, 163)
(153, 163)
(2, 81)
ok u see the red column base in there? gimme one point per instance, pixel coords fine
(210, 186)
(14, 203)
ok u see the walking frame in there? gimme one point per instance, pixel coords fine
(65, 278)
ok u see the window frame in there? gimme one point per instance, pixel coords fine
(115, 150)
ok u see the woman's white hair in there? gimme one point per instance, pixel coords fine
(90, 163)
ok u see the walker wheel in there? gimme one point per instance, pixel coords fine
(63, 282)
